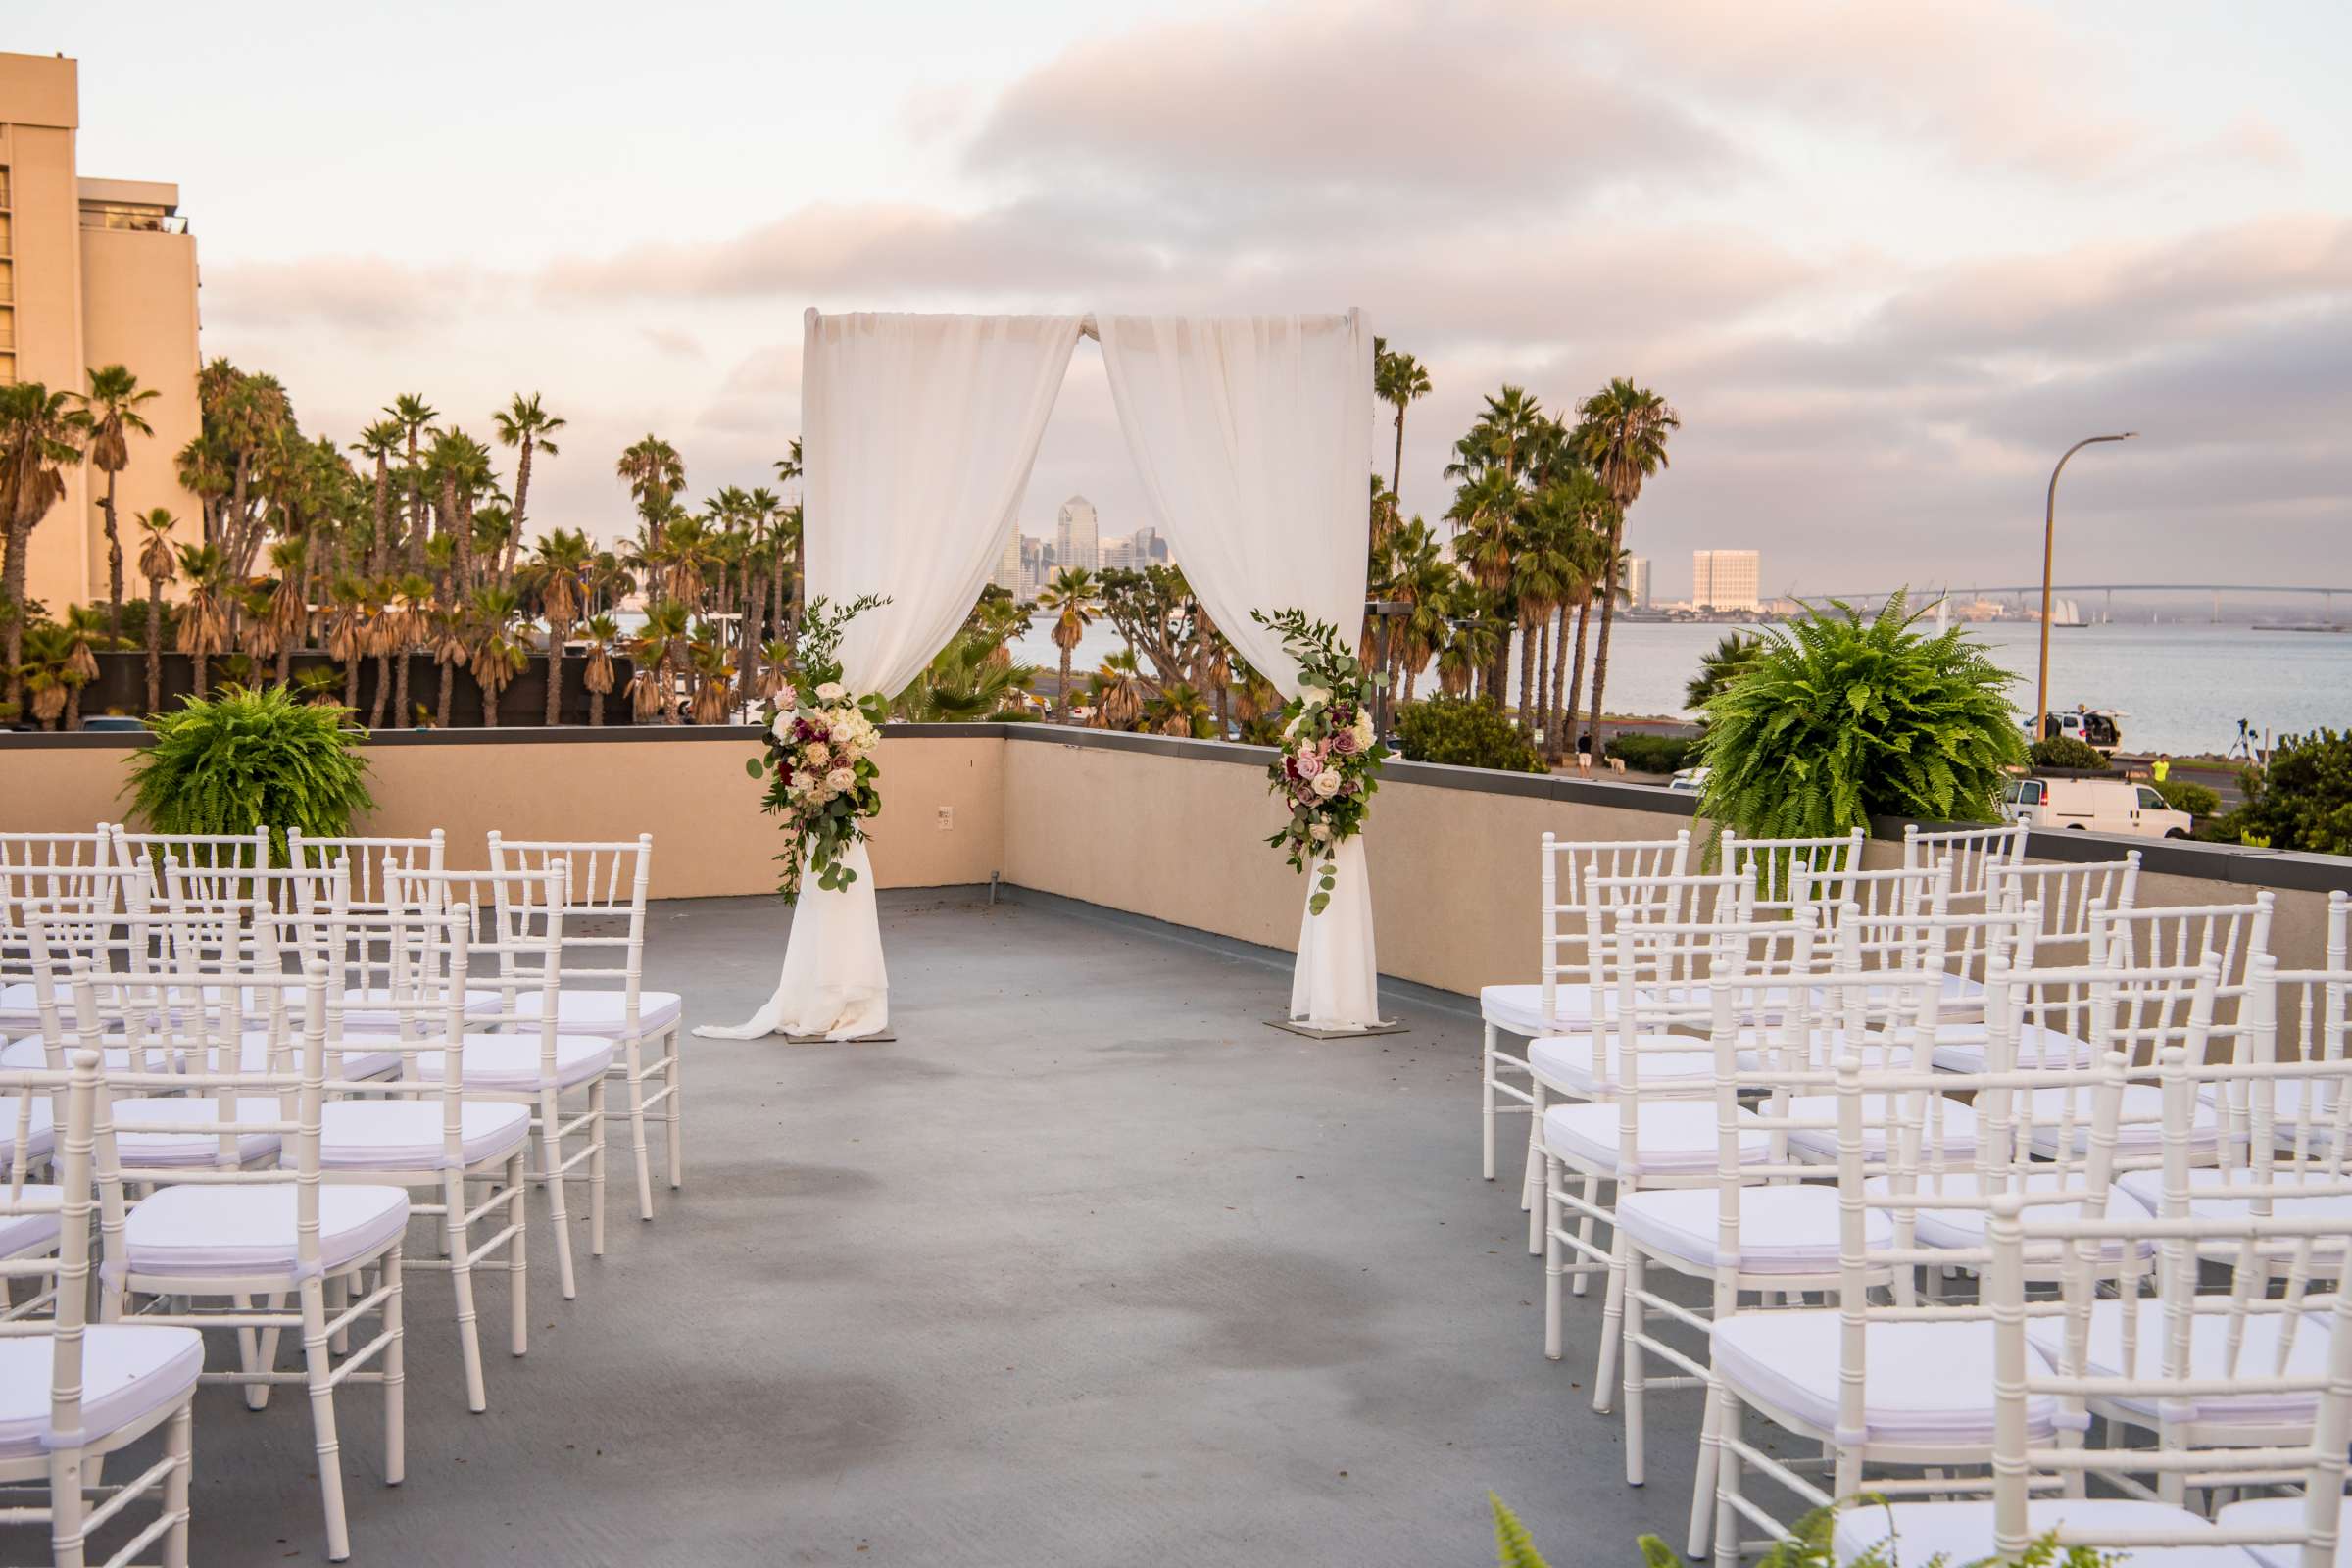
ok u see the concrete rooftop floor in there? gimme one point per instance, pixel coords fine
(1089, 1266)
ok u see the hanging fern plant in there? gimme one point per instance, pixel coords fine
(1838, 719)
(246, 758)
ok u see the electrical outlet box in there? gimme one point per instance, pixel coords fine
(946, 819)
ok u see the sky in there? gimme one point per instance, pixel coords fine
(1885, 261)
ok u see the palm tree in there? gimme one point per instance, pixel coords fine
(602, 632)
(83, 626)
(494, 655)
(1118, 691)
(1073, 599)
(409, 597)
(111, 407)
(450, 649)
(655, 473)
(1623, 434)
(1730, 659)
(526, 427)
(1399, 381)
(655, 649)
(414, 415)
(558, 571)
(204, 614)
(49, 676)
(40, 434)
(1180, 709)
(157, 564)
(377, 443)
(349, 634)
(287, 620)
(1543, 575)
(714, 668)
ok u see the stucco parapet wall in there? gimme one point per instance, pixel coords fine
(2213, 863)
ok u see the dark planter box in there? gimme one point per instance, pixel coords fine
(122, 687)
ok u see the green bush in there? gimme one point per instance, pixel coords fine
(2183, 796)
(2065, 750)
(246, 758)
(1651, 753)
(2304, 802)
(1840, 718)
(1465, 731)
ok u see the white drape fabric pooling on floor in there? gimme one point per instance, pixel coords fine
(917, 436)
(1252, 438)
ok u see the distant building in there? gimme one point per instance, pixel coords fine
(1008, 575)
(1724, 579)
(1119, 555)
(1637, 582)
(1077, 535)
(1149, 548)
(92, 272)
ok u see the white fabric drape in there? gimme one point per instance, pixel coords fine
(1252, 438)
(917, 435)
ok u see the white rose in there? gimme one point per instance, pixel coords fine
(1314, 696)
(1327, 783)
(1319, 832)
(816, 754)
(1291, 728)
(787, 699)
(831, 691)
(840, 781)
(1364, 731)
(804, 781)
(781, 729)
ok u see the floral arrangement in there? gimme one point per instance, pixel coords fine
(1331, 752)
(822, 776)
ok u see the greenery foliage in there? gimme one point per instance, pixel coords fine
(1651, 753)
(1466, 732)
(818, 753)
(2183, 795)
(1734, 653)
(1329, 765)
(2304, 800)
(246, 757)
(2067, 750)
(1840, 718)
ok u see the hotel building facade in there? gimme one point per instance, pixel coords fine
(92, 272)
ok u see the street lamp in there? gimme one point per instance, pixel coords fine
(2049, 547)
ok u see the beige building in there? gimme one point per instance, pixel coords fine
(1724, 579)
(92, 272)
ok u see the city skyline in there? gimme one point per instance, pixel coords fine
(1885, 268)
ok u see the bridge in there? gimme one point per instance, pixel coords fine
(2032, 590)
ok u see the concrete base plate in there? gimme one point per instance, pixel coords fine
(827, 1040)
(1293, 1026)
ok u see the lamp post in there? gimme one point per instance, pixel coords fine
(2049, 548)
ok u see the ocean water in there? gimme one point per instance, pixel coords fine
(2182, 687)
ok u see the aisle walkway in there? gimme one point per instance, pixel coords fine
(1089, 1268)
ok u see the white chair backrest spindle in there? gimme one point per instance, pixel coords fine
(1566, 865)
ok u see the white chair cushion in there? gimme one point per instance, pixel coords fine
(129, 1372)
(1672, 1135)
(1783, 1230)
(360, 1018)
(29, 1233)
(2210, 1197)
(30, 1053)
(512, 1062)
(1965, 1227)
(2140, 1125)
(605, 1013)
(1956, 989)
(1519, 1010)
(1929, 1384)
(191, 1232)
(199, 1145)
(2281, 1514)
(19, 1001)
(1962, 1048)
(1958, 1124)
(40, 1136)
(405, 1135)
(2208, 1358)
(1565, 1061)
(1962, 1531)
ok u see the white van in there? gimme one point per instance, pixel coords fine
(2093, 806)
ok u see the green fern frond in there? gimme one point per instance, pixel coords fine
(1513, 1547)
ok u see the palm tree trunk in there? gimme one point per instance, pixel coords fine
(1396, 470)
(1555, 724)
(351, 680)
(449, 680)
(522, 490)
(400, 687)
(1527, 674)
(12, 596)
(1576, 676)
(1600, 650)
(113, 562)
(1061, 695)
(490, 695)
(1535, 682)
(155, 643)
(204, 676)
(596, 708)
(383, 691)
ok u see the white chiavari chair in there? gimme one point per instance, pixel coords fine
(208, 850)
(72, 1392)
(104, 912)
(427, 1128)
(247, 1235)
(1642, 1133)
(1772, 862)
(1898, 1392)
(68, 883)
(1974, 853)
(517, 1057)
(2069, 894)
(1549, 1007)
(607, 883)
(373, 861)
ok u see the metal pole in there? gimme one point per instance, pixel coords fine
(2049, 550)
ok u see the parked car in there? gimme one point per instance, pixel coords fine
(2100, 728)
(2093, 806)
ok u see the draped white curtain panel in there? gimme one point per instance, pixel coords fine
(1252, 437)
(917, 433)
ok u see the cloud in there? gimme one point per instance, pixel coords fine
(360, 294)
(669, 340)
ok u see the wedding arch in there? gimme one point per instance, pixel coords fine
(1251, 436)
